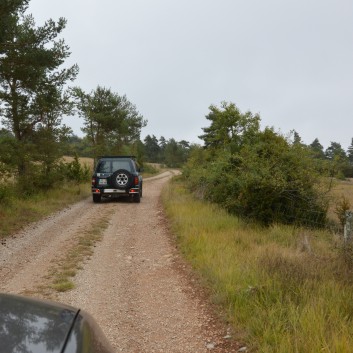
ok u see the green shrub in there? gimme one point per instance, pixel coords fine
(269, 180)
(342, 206)
(6, 192)
(74, 171)
(149, 169)
(38, 178)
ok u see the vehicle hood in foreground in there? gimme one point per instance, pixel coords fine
(28, 325)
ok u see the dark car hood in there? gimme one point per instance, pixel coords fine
(33, 326)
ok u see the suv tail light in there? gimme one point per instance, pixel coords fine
(136, 180)
(93, 181)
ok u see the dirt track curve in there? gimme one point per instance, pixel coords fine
(135, 284)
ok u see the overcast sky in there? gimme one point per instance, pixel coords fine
(291, 61)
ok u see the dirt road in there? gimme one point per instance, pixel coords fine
(135, 284)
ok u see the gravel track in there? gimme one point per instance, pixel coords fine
(135, 284)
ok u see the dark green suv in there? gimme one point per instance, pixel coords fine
(115, 176)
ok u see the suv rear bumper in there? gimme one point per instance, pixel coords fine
(103, 192)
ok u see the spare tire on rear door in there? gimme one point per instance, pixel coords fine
(122, 179)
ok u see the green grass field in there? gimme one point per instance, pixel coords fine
(284, 289)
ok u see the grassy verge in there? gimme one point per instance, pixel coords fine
(63, 270)
(15, 212)
(286, 290)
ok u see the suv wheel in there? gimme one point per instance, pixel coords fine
(122, 179)
(97, 198)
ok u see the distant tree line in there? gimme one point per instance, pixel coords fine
(169, 152)
(334, 160)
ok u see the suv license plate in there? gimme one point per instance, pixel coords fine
(115, 191)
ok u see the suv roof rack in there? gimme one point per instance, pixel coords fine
(133, 157)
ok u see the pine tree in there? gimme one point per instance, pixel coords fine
(317, 149)
(111, 122)
(31, 82)
(229, 127)
(350, 152)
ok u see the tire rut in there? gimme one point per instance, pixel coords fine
(26, 257)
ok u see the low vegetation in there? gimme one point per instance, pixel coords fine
(17, 212)
(257, 174)
(63, 270)
(23, 204)
(284, 289)
(150, 169)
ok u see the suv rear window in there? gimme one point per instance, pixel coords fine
(110, 166)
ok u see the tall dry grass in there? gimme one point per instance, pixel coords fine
(89, 162)
(284, 289)
(339, 189)
(16, 212)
